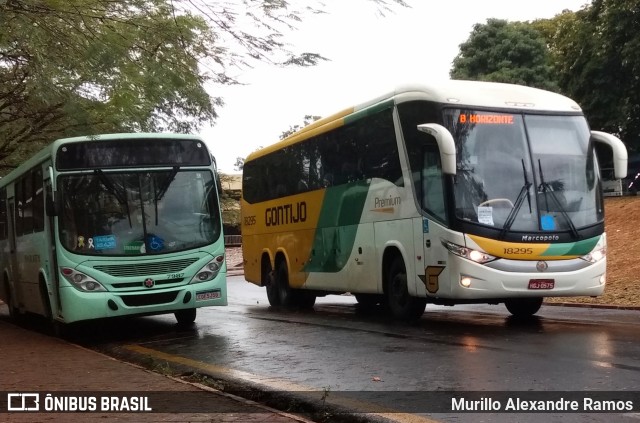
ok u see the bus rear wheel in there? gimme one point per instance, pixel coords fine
(185, 316)
(402, 305)
(523, 307)
(290, 297)
(270, 283)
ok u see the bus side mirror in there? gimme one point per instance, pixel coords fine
(446, 145)
(620, 156)
(51, 206)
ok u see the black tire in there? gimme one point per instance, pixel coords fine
(14, 312)
(286, 295)
(55, 327)
(402, 305)
(369, 300)
(269, 282)
(523, 307)
(290, 297)
(305, 300)
(185, 316)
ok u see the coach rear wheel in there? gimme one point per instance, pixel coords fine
(290, 297)
(270, 283)
(185, 316)
(369, 300)
(523, 307)
(401, 304)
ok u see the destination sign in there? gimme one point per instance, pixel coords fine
(486, 119)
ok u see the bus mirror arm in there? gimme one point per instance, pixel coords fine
(620, 156)
(446, 145)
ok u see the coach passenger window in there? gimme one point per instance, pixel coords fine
(378, 142)
(19, 206)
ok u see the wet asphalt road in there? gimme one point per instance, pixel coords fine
(337, 348)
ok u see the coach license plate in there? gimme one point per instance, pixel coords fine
(207, 295)
(541, 283)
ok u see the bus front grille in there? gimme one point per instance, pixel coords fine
(145, 269)
(149, 299)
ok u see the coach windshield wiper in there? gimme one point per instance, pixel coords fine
(120, 197)
(163, 188)
(546, 188)
(519, 200)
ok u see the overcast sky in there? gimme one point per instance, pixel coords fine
(369, 55)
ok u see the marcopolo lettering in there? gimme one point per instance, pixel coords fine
(286, 214)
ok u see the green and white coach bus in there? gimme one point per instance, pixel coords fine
(461, 192)
(113, 225)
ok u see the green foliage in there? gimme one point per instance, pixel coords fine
(595, 54)
(501, 51)
(308, 119)
(81, 67)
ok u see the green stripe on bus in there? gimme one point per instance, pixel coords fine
(337, 227)
(579, 248)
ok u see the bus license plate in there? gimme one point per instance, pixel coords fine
(541, 283)
(207, 295)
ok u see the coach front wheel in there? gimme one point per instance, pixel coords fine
(401, 304)
(290, 297)
(185, 316)
(523, 307)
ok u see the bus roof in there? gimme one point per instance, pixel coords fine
(46, 152)
(453, 92)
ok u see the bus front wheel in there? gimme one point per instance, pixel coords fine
(185, 316)
(523, 307)
(401, 304)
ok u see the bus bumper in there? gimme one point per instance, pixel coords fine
(470, 280)
(78, 305)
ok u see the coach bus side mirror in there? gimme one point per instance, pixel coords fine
(620, 156)
(445, 144)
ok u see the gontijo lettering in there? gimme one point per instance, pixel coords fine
(288, 213)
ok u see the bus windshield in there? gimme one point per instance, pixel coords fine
(138, 213)
(524, 172)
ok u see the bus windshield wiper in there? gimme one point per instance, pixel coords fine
(163, 188)
(120, 197)
(524, 191)
(546, 188)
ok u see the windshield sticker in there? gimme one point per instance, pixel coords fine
(80, 242)
(135, 247)
(548, 223)
(485, 215)
(155, 243)
(103, 242)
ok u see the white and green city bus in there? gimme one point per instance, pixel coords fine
(113, 225)
(460, 192)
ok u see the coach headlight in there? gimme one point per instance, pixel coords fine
(81, 281)
(209, 271)
(598, 253)
(468, 253)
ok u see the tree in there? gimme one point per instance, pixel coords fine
(502, 51)
(308, 119)
(595, 54)
(70, 67)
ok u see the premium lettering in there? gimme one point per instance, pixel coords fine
(387, 202)
(286, 214)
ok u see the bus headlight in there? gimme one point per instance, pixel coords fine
(468, 253)
(209, 271)
(81, 281)
(596, 255)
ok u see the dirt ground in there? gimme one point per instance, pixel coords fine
(622, 223)
(622, 216)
